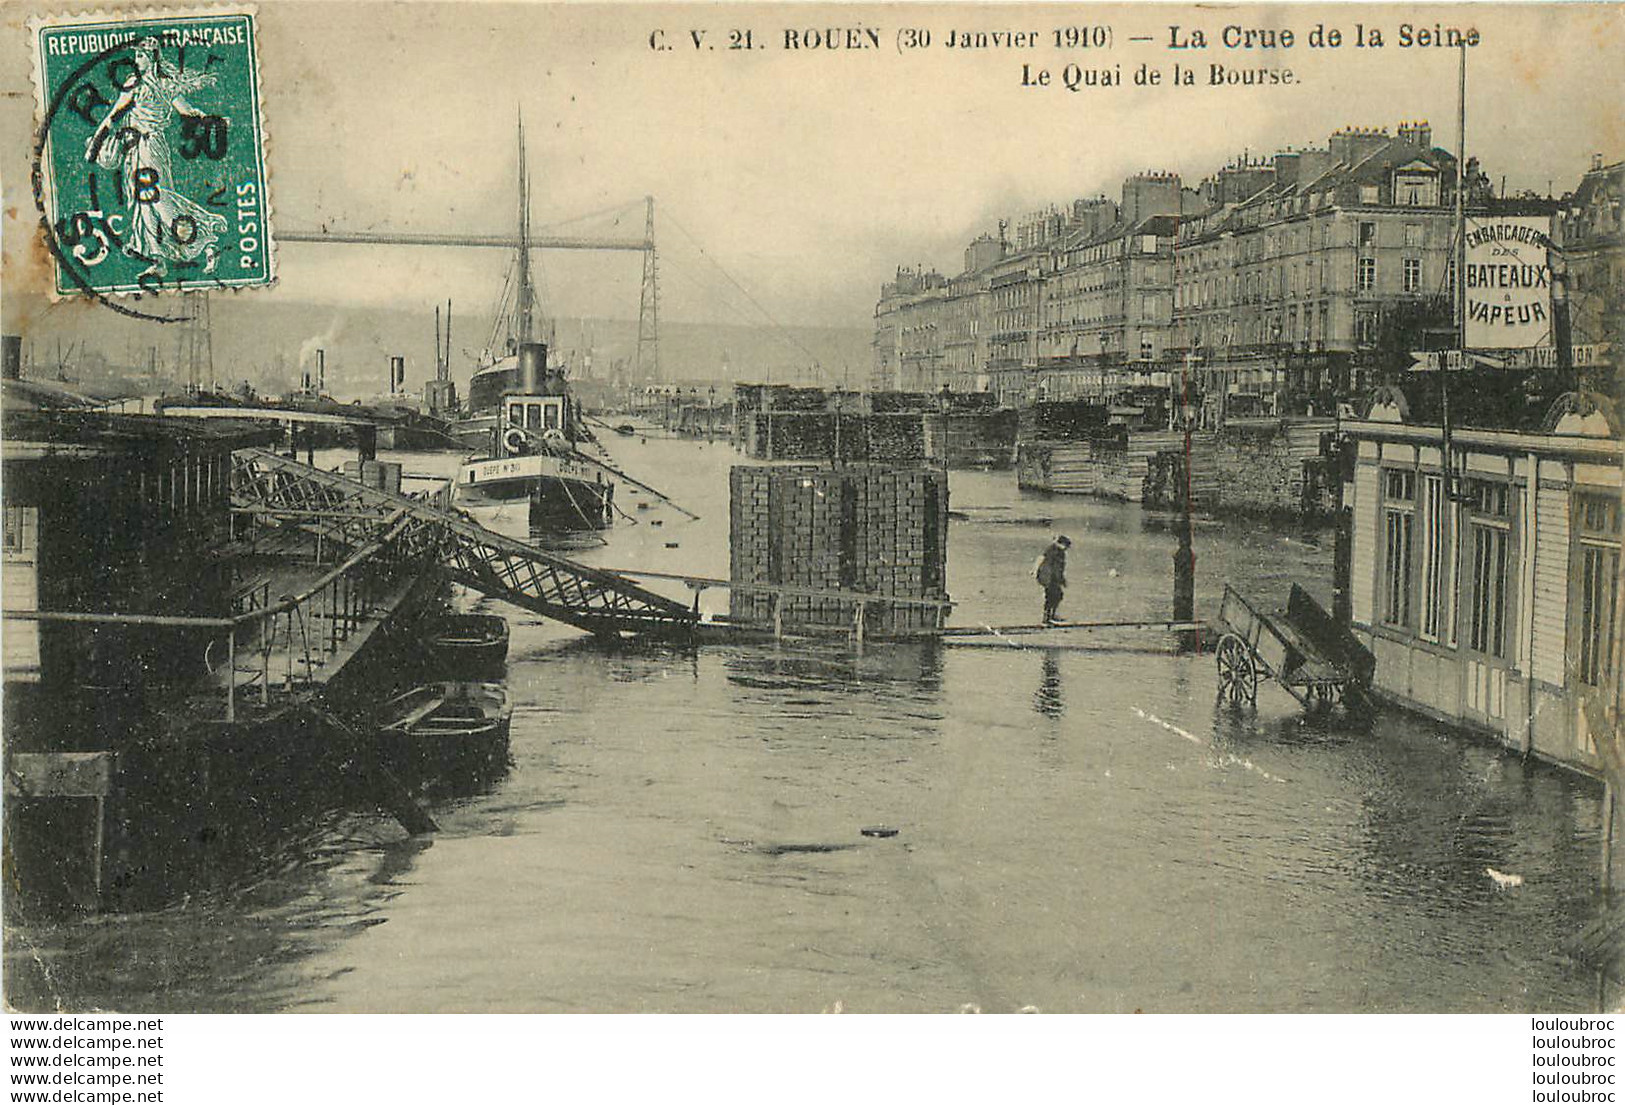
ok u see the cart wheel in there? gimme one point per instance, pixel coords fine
(1238, 675)
(1320, 698)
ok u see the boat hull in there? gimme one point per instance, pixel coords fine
(565, 493)
(561, 507)
(446, 737)
(510, 479)
(477, 434)
(467, 646)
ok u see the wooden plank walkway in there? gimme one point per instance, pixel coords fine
(962, 631)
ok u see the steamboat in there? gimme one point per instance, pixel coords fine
(524, 420)
(534, 455)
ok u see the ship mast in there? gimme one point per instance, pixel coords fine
(526, 324)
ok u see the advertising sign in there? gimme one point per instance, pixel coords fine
(1509, 282)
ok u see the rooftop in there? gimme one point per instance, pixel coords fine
(28, 431)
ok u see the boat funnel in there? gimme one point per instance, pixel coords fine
(12, 347)
(532, 366)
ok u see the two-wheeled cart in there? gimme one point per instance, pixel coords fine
(1316, 661)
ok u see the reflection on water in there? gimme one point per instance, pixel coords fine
(1078, 831)
(1048, 699)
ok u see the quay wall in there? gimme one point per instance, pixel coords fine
(1276, 467)
(1265, 466)
(1136, 467)
(865, 528)
(1063, 467)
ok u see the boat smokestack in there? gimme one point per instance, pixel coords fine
(11, 357)
(532, 366)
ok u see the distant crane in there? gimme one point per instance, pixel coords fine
(646, 364)
(195, 355)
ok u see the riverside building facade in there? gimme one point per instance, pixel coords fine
(1590, 231)
(1283, 296)
(1276, 287)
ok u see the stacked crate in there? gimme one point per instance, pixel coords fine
(899, 438)
(749, 529)
(1063, 466)
(976, 438)
(867, 528)
(1127, 470)
(383, 475)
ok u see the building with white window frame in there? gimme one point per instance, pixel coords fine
(1490, 593)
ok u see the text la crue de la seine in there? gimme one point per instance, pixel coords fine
(1254, 56)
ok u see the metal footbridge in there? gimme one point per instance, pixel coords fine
(354, 516)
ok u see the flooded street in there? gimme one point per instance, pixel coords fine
(1079, 831)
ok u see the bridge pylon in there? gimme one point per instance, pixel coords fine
(646, 364)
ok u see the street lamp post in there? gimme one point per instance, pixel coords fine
(1105, 340)
(836, 459)
(1275, 365)
(1185, 554)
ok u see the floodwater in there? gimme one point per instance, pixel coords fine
(1079, 831)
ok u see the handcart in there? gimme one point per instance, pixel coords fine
(1301, 647)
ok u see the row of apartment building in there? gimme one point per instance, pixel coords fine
(1301, 274)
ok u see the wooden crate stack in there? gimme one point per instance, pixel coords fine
(384, 475)
(874, 529)
(1129, 479)
(1067, 467)
(749, 528)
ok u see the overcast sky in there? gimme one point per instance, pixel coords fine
(808, 176)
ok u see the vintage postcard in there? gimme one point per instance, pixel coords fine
(899, 508)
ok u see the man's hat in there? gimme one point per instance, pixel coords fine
(1064, 541)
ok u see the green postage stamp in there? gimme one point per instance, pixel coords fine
(149, 164)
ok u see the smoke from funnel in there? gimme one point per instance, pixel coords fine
(324, 340)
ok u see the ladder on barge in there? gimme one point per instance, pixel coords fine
(349, 514)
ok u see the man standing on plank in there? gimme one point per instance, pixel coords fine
(1051, 573)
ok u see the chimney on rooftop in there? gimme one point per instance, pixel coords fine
(1147, 194)
(1286, 168)
(1352, 145)
(1418, 134)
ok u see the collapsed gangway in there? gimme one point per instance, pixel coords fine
(352, 515)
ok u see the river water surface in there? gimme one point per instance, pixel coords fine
(1079, 831)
